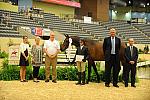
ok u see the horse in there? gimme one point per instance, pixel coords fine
(95, 50)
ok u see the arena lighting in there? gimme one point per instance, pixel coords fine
(142, 5)
(115, 11)
(118, 2)
(129, 2)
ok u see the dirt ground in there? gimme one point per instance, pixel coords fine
(67, 90)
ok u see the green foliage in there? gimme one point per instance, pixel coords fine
(3, 54)
(5, 62)
(42, 73)
(93, 75)
(11, 72)
(67, 73)
(29, 72)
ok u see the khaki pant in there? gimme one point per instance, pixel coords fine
(50, 61)
(80, 66)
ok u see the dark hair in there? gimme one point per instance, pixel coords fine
(25, 37)
(82, 40)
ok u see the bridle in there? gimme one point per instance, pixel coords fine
(68, 59)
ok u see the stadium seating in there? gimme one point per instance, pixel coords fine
(8, 31)
(144, 28)
(62, 26)
(96, 31)
(21, 20)
(128, 31)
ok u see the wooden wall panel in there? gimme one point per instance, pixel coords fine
(98, 8)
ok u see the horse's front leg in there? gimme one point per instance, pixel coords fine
(95, 69)
(89, 70)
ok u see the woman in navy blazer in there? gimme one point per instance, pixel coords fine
(83, 51)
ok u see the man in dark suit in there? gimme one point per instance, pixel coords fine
(111, 49)
(81, 51)
(131, 55)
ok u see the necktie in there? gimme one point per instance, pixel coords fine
(113, 46)
(131, 51)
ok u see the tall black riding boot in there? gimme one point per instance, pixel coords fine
(79, 78)
(83, 78)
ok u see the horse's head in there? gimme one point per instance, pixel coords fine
(65, 44)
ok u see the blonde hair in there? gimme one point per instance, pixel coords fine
(37, 37)
(25, 37)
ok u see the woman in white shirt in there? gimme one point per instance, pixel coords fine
(24, 49)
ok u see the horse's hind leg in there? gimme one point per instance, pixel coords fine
(95, 69)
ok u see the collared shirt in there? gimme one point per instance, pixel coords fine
(81, 47)
(113, 45)
(23, 47)
(131, 50)
(51, 46)
(131, 47)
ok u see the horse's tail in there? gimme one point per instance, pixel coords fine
(122, 54)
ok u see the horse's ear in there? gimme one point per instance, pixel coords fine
(66, 35)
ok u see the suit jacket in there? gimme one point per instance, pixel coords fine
(83, 51)
(128, 56)
(107, 46)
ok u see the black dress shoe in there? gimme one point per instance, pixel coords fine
(36, 81)
(46, 80)
(115, 85)
(133, 86)
(107, 85)
(25, 81)
(54, 81)
(78, 83)
(82, 83)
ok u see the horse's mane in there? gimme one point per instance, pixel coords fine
(86, 40)
(90, 40)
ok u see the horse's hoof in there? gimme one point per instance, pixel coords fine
(87, 82)
(98, 81)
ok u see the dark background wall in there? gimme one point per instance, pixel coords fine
(97, 9)
(103, 10)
